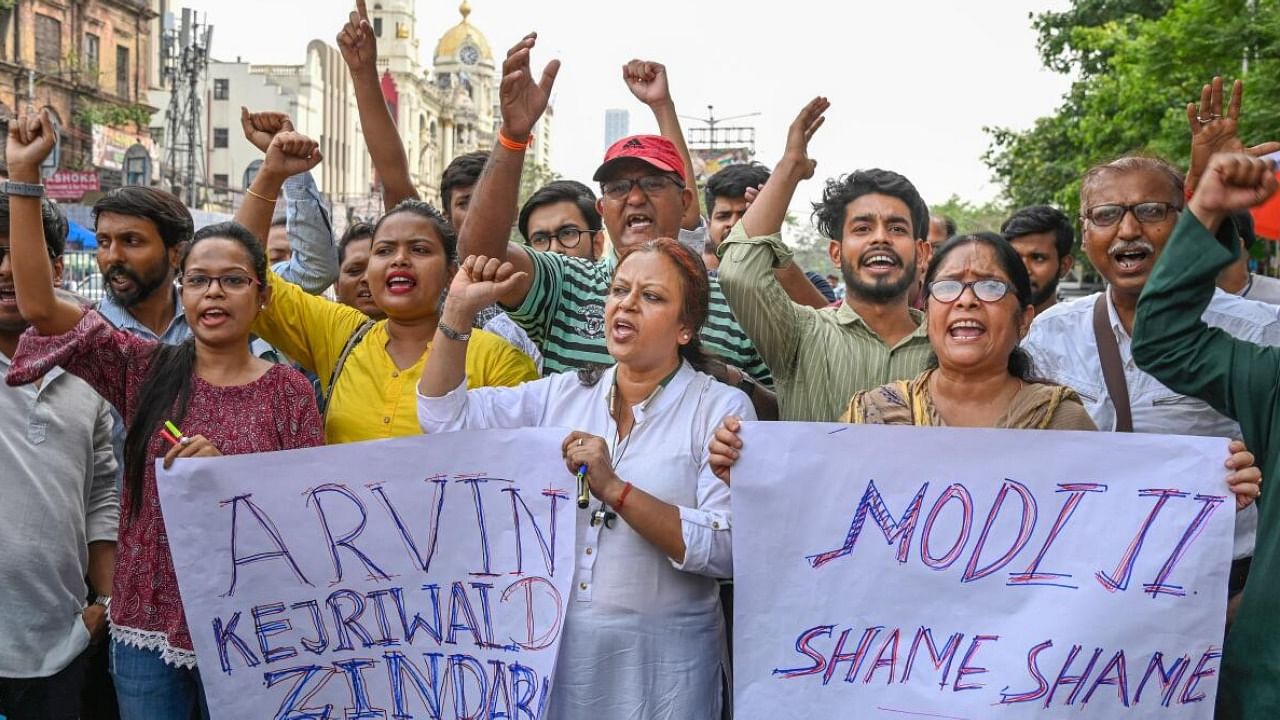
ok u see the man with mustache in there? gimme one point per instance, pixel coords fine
(1129, 209)
(141, 231)
(877, 224)
(646, 195)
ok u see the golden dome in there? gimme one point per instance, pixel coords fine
(461, 34)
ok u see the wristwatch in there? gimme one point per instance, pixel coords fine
(21, 189)
(453, 334)
(104, 601)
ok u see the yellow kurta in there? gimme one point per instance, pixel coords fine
(373, 399)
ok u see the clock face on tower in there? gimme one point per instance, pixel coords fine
(469, 54)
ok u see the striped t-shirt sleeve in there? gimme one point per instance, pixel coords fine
(725, 337)
(564, 312)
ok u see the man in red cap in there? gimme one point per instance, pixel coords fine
(644, 195)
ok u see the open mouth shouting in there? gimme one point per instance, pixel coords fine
(622, 331)
(214, 317)
(1132, 257)
(400, 282)
(121, 280)
(638, 223)
(8, 297)
(881, 261)
(967, 330)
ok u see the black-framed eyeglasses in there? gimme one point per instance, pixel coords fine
(568, 237)
(649, 185)
(1109, 214)
(4, 252)
(200, 282)
(985, 290)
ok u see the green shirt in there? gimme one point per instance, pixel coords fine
(564, 315)
(1240, 380)
(819, 358)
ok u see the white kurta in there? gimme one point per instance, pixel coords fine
(643, 637)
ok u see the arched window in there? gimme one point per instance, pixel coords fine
(251, 172)
(137, 166)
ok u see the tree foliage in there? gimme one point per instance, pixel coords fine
(970, 217)
(1137, 64)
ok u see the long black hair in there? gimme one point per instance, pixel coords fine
(1020, 363)
(166, 391)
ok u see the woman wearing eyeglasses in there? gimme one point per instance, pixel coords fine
(643, 637)
(223, 399)
(979, 309)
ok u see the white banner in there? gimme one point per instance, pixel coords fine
(422, 577)
(926, 573)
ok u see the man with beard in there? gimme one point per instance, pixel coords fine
(140, 232)
(1043, 236)
(877, 224)
(1130, 207)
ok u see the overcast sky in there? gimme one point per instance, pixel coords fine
(911, 82)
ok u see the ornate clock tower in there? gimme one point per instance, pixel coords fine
(466, 77)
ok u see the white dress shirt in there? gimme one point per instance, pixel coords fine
(1065, 351)
(643, 636)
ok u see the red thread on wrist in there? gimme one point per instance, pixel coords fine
(1187, 194)
(623, 497)
(510, 144)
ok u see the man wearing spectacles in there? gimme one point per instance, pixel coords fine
(646, 195)
(561, 217)
(1130, 207)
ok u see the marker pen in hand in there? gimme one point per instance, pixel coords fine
(584, 490)
(171, 433)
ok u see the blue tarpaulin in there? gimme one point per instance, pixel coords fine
(77, 233)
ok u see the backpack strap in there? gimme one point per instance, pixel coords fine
(352, 342)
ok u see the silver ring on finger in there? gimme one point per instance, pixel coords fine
(579, 442)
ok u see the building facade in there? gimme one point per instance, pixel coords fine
(442, 110)
(617, 125)
(86, 63)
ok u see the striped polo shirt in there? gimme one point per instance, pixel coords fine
(564, 314)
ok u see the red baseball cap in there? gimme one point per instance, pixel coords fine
(653, 149)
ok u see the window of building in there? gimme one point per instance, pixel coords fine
(221, 89)
(157, 135)
(91, 55)
(220, 137)
(221, 181)
(48, 43)
(251, 172)
(377, 27)
(122, 71)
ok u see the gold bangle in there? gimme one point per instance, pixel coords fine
(248, 191)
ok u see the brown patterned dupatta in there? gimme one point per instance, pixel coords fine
(908, 402)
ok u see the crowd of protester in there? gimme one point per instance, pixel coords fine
(649, 319)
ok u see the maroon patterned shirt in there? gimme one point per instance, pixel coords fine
(275, 412)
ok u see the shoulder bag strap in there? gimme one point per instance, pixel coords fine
(1112, 365)
(352, 342)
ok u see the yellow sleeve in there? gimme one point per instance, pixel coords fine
(309, 329)
(492, 361)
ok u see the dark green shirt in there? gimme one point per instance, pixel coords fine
(1242, 381)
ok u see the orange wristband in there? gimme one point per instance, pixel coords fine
(623, 497)
(510, 144)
